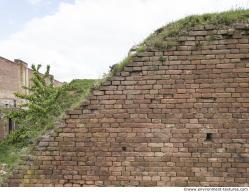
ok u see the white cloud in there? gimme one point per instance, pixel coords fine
(83, 39)
(34, 2)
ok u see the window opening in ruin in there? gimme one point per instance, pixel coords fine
(123, 148)
(209, 137)
(10, 125)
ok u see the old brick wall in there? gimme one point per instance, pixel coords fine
(10, 77)
(173, 117)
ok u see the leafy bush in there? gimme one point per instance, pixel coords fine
(43, 103)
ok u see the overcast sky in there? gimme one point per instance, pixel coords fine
(82, 38)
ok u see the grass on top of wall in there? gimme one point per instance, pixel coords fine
(159, 37)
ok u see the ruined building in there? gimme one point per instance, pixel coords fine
(176, 114)
(13, 76)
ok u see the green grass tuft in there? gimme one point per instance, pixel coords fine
(120, 66)
(159, 37)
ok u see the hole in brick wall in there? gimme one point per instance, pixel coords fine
(92, 110)
(228, 35)
(209, 137)
(123, 148)
(137, 72)
(244, 60)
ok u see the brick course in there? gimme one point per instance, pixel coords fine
(177, 121)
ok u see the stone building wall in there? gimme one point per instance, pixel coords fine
(12, 75)
(172, 117)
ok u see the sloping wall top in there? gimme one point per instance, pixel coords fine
(175, 115)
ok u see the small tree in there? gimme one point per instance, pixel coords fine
(44, 103)
(41, 104)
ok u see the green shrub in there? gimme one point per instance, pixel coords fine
(44, 104)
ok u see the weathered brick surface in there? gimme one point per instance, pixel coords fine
(177, 121)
